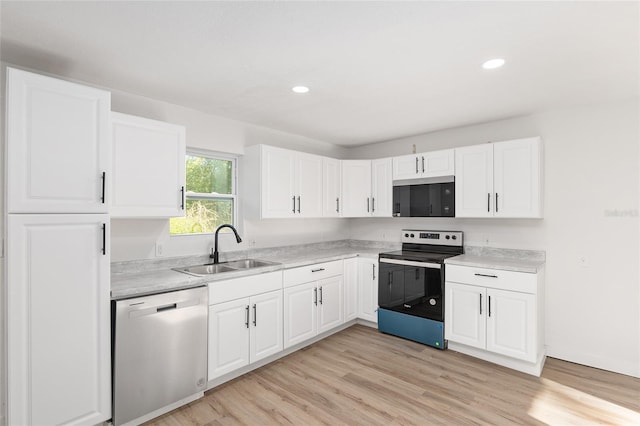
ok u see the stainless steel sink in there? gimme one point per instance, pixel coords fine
(248, 263)
(236, 265)
(201, 270)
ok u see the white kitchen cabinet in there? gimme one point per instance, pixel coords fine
(501, 179)
(313, 301)
(350, 282)
(511, 324)
(228, 337)
(332, 181)
(58, 319)
(330, 303)
(58, 145)
(244, 331)
(245, 323)
(424, 165)
(148, 168)
(367, 188)
(465, 314)
(356, 188)
(368, 289)
(381, 188)
(496, 311)
(288, 183)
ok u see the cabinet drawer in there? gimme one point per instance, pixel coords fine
(492, 278)
(318, 271)
(236, 288)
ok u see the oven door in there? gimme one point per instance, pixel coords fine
(413, 288)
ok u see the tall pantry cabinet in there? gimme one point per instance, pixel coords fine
(58, 255)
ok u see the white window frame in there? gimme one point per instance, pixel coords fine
(234, 186)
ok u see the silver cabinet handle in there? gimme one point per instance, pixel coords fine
(255, 315)
(104, 184)
(294, 204)
(321, 295)
(416, 165)
(337, 205)
(489, 305)
(315, 296)
(373, 204)
(298, 204)
(480, 303)
(367, 204)
(422, 164)
(485, 275)
(374, 271)
(246, 321)
(317, 270)
(488, 202)
(496, 202)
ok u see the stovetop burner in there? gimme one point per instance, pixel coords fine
(418, 256)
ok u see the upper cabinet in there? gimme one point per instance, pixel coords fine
(331, 185)
(502, 179)
(367, 188)
(58, 145)
(424, 165)
(289, 183)
(148, 167)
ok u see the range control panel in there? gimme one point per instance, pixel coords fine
(445, 238)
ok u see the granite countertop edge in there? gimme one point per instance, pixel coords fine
(128, 285)
(502, 263)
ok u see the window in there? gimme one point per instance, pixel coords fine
(210, 194)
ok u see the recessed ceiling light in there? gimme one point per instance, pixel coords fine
(300, 89)
(493, 63)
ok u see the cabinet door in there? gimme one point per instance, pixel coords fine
(356, 188)
(277, 182)
(330, 314)
(309, 185)
(350, 288)
(58, 319)
(228, 337)
(57, 145)
(368, 289)
(300, 304)
(511, 324)
(406, 167)
(331, 175)
(517, 178)
(148, 168)
(382, 188)
(474, 181)
(438, 163)
(465, 313)
(266, 325)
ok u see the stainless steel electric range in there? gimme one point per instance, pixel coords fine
(411, 285)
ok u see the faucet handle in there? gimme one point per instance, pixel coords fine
(211, 255)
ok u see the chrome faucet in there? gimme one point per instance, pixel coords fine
(214, 255)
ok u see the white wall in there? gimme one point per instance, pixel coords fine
(591, 211)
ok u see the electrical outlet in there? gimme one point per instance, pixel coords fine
(159, 249)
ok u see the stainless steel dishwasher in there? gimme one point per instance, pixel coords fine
(159, 351)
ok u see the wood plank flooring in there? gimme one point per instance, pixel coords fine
(362, 377)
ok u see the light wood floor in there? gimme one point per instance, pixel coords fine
(362, 377)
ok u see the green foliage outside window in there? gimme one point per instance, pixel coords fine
(205, 211)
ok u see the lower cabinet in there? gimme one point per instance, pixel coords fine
(244, 331)
(350, 284)
(314, 307)
(494, 310)
(368, 289)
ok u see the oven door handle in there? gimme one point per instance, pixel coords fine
(411, 263)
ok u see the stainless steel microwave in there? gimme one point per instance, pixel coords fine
(413, 198)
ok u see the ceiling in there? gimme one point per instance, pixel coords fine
(377, 70)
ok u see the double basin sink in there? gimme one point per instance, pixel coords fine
(236, 265)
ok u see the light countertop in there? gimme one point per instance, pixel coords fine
(163, 279)
(493, 262)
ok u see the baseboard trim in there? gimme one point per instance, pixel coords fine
(533, 368)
